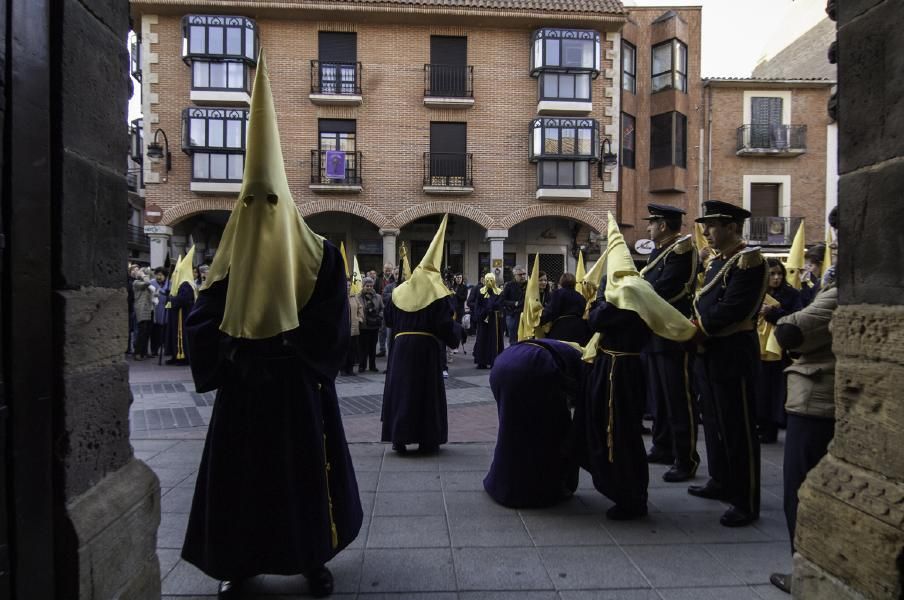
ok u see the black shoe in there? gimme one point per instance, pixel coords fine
(381, 353)
(782, 581)
(230, 589)
(320, 582)
(711, 491)
(678, 473)
(660, 457)
(735, 517)
(400, 448)
(621, 513)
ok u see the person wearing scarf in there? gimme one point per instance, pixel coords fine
(486, 309)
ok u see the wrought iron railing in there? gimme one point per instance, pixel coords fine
(772, 138)
(137, 238)
(336, 78)
(772, 231)
(449, 81)
(447, 169)
(321, 171)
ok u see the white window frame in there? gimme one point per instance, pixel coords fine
(785, 95)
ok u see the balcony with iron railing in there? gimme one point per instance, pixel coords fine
(449, 86)
(771, 140)
(335, 83)
(137, 239)
(336, 171)
(448, 173)
(771, 231)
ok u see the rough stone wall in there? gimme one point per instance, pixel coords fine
(108, 502)
(851, 521)
(804, 57)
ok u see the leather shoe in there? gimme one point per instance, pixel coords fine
(735, 517)
(400, 448)
(320, 582)
(229, 589)
(621, 513)
(661, 457)
(678, 473)
(711, 491)
(782, 581)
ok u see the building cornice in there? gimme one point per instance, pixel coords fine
(729, 82)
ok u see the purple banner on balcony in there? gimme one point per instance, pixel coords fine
(335, 164)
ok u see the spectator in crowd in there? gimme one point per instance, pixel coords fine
(369, 327)
(543, 282)
(460, 293)
(356, 316)
(145, 294)
(387, 306)
(565, 313)
(196, 276)
(810, 276)
(384, 279)
(130, 298)
(158, 330)
(513, 301)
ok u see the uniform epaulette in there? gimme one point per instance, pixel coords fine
(750, 258)
(683, 245)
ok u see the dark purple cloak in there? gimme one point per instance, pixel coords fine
(276, 490)
(531, 466)
(615, 387)
(414, 395)
(565, 311)
(181, 304)
(490, 326)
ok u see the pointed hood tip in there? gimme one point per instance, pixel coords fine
(426, 284)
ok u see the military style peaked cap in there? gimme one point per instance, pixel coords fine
(661, 211)
(716, 209)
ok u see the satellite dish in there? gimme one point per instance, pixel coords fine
(644, 246)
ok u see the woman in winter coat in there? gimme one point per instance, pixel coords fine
(356, 314)
(369, 326)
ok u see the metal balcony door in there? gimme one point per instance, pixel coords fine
(449, 64)
(338, 53)
(448, 149)
(764, 199)
(765, 122)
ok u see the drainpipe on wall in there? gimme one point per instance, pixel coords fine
(709, 145)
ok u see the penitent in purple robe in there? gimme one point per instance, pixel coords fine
(490, 326)
(531, 466)
(276, 490)
(414, 395)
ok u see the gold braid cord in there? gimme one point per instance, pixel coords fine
(329, 498)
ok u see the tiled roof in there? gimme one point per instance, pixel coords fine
(582, 6)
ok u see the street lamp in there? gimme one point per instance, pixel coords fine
(156, 151)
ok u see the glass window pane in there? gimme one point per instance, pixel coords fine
(628, 57)
(328, 141)
(662, 58)
(218, 75)
(661, 140)
(577, 53)
(566, 173)
(215, 40)
(236, 166)
(585, 142)
(538, 143)
(568, 141)
(551, 141)
(347, 142)
(201, 168)
(233, 133)
(218, 166)
(538, 53)
(550, 172)
(661, 82)
(550, 85)
(234, 41)
(215, 133)
(566, 86)
(581, 173)
(201, 72)
(682, 57)
(197, 134)
(196, 39)
(582, 86)
(236, 73)
(552, 52)
(629, 84)
(249, 43)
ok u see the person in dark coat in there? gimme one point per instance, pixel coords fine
(725, 309)
(513, 302)
(460, 292)
(810, 277)
(672, 271)
(487, 310)
(179, 304)
(276, 491)
(565, 312)
(421, 318)
(771, 387)
(531, 382)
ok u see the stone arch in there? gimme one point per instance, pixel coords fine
(344, 206)
(184, 210)
(598, 222)
(439, 207)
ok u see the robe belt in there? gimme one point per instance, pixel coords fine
(610, 428)
(426, 333)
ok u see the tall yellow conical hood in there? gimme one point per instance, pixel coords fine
(591, 282)
(579, 272)
(184, 273)
(406, 264)
(344, 259)
(357, 280)
(268, 252)
(699, 239)
(529, 324)
(626, 289)
(827, 255)
(426, 283)
(795, 262)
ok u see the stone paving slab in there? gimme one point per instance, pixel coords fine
(430, 531)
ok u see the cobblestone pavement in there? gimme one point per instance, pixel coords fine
(430, 531)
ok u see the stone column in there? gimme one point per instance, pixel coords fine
(180, 244)
(850, 525)
(389, 245)
(159, 236)
(497, 238)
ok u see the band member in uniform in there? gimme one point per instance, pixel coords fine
(276, 491)
(725, 310)
(672, 271)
